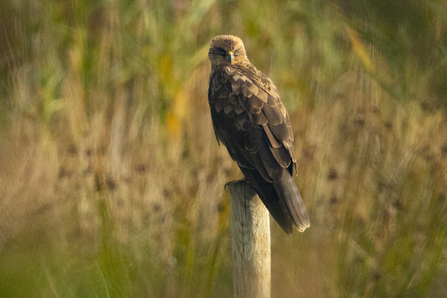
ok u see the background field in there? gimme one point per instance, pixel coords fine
(111, 180)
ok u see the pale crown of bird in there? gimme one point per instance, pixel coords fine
(226, 50)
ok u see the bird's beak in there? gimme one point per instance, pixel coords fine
(230, 57)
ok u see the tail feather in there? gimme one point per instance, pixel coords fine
(270, 198)
(281, 198)
(292, 202)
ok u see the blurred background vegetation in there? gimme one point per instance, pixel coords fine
(111, 181)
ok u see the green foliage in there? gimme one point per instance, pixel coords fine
(112, 182)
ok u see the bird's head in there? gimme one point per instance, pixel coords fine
(226, 50)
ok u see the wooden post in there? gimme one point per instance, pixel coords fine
(250, 235)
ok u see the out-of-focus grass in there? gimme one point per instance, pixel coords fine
(112, 183)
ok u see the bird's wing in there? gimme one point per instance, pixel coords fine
(270, 132)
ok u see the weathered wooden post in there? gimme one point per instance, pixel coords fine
(250, 235)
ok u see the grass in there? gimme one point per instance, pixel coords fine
(112, 182)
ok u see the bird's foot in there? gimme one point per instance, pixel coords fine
(228, 184)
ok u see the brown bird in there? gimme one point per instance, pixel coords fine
(252, 122)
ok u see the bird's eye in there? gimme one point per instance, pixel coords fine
(221, 52)
(237, 52)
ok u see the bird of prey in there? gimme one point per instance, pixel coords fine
(252, 122)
